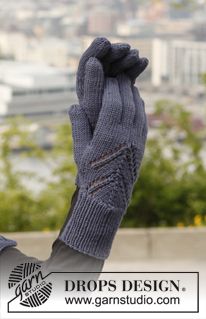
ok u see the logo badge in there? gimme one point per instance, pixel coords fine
(29, 285)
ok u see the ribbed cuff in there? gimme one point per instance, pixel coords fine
(92, 227)
(4, 242)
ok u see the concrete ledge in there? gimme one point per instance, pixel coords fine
(130, 244)
(160, 243)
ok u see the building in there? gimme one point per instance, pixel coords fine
(178, 63)
(49, 50)
(31, 89)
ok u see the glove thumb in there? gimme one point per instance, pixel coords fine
(81, 131)
(93, 90)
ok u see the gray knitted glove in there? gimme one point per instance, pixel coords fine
(100, 59)
(108, 164)
(102, 50)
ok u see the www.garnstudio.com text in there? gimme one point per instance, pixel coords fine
(126, 286)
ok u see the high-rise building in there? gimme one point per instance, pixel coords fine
(178, 62)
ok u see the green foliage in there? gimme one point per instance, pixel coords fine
(170, 190)
(20, 208)
(56, 197)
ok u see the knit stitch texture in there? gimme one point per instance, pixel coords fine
(108, 162)
(104, 59)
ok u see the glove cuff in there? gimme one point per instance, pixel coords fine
(4, 242)
(92, 227)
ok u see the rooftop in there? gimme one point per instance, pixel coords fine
(30, 75)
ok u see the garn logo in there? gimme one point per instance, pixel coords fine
(29, 284)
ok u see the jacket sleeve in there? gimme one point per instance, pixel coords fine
(62, 258)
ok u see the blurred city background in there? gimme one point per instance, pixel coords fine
(41, 43)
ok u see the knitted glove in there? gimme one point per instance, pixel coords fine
(4, 243)
(100, 59)
(132, 65)
(108, 164)
(103, 50)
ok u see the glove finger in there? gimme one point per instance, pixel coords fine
(81, 131)
(111, 110)
(125, 63)
(99, 47)
(116, 52)
(134, 71)
(93, 90)
(125, 88)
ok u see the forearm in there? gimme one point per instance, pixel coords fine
(62, 259)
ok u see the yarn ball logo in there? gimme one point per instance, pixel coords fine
(30, 286)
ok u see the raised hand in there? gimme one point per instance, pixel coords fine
(103, 59)
(108, 161)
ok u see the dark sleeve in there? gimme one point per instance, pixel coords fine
(62, 258)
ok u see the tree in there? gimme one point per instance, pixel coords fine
(171, 187)
(21, 209)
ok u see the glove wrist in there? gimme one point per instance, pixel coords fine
(92, 227)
